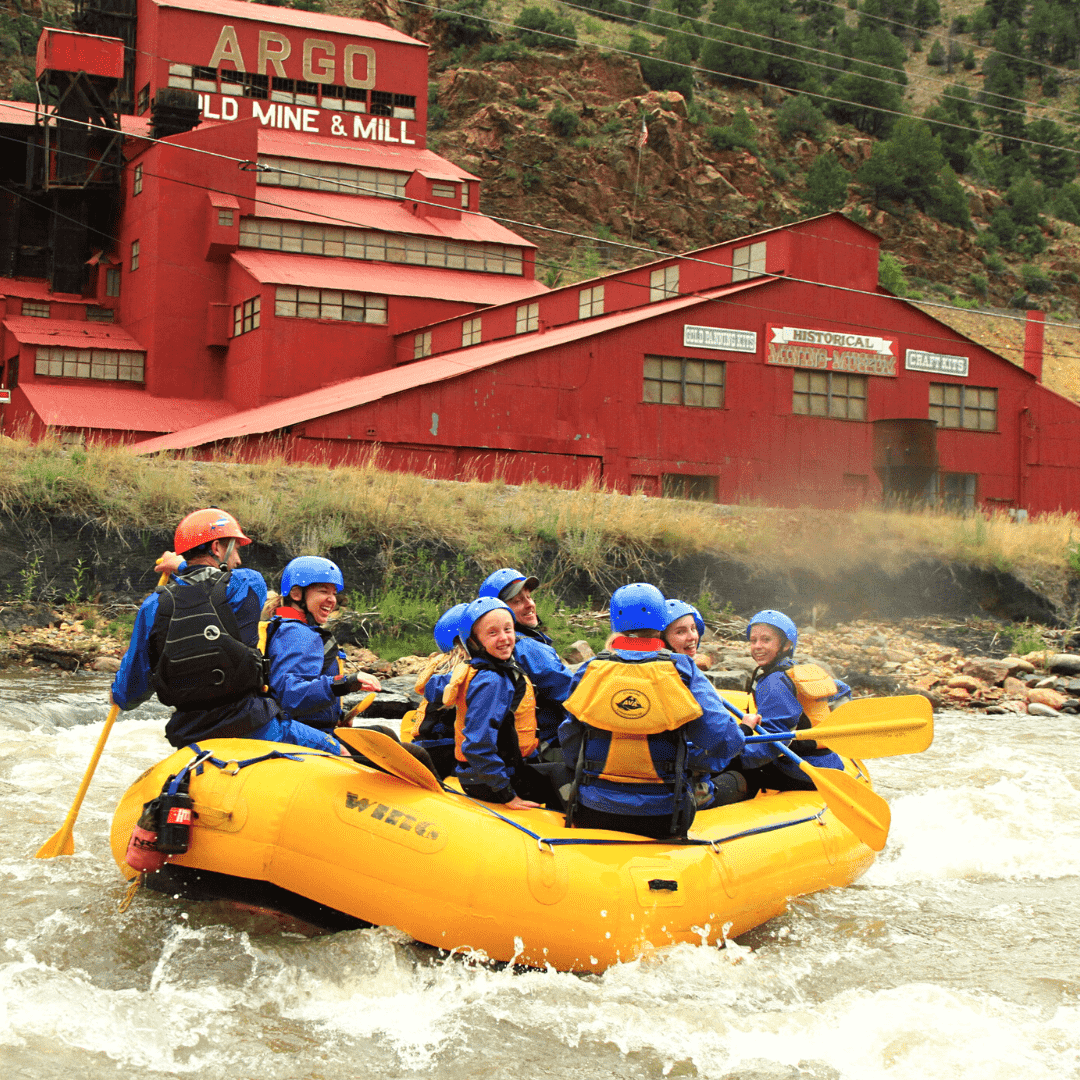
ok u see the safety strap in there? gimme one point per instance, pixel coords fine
(206, 756)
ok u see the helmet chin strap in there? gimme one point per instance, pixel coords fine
(230, 548)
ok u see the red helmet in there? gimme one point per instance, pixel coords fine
(202, 526)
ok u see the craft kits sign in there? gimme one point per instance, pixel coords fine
(716, 337)
(936, 363)
(831, 350)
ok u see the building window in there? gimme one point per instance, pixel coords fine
(828, 393)
(378, 246)
(293, 302)
(470, 332)
(465, 196)
(244, 84)
(37, 309)
(443, 191)
(246, 316)
(973, 408)
(134, 263)
(664, 283)
(748, 262)
(112, 282)
(226, 217)
(100, 314)
(112, 364)
(144, 99)
(182, 75)
(954, 491)
(591, 302)
(672, 380)
(528, 319)
(421, 345)
(684, 486)
(136, 180)
(329, 176)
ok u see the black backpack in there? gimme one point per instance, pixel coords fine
(201, 660)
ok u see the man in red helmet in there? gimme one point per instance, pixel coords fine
(195, 644)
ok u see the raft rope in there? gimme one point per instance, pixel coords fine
(132, 889)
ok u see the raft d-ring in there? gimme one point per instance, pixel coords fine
(540, 842)
(233, 761)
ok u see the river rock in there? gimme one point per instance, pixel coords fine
(725, 679)
(20, 616)
(1018, 665)
(1063, 663)
(1041, 683)
(1015, 688)
(986, 670)
(578, 653)
(105, 663)
(703, 661)
(964, 682)
(1045, 696)
(409, 665)
(1036, 708)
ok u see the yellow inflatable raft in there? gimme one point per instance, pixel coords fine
(459, 874)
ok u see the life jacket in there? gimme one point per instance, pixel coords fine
(635, 700)
(429, 723)
(811, 685)
(523, 705)
(198, 658)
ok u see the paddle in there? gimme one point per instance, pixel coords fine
(62, 842)
(860, 808)
(357, 709)
(870, 728)
(389, 755)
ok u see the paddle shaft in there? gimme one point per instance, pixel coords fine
(62, 842)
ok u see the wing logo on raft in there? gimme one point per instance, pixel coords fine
(632, 704)
(390, 816)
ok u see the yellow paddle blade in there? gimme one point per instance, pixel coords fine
(62, 842)
(877, 727)
(389, 755)
(358, 708)
(862, 810)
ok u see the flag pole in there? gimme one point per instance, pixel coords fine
(643, 138)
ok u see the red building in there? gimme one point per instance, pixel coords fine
(298, 268)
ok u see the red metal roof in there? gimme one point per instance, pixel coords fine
(116, 408)
(330, 208)
(392, 279)
(405, 159)
(69, 333)
(283, 16)
(367, 388)
(36, 289)
(17, 112)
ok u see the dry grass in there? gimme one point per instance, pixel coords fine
(312, 509)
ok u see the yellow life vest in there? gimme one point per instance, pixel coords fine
(411, 721)
(632, 701)
(454, 696)
(813, 687)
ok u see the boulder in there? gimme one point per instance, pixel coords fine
(992, 672)
(1018, 665)
(727, 680)
(964, 682)
(578, 653)
(1063, 663)
(105, 663)
(409, 665)
(1036, 708)
(1015, 688)
(1054, 699)
(703, 661)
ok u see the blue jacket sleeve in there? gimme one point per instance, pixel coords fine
(549, 675)
(131, 685)
(434, 687)
(714, 738)
(487, 702)
(296, 670)
(246, 596)
(780, 711)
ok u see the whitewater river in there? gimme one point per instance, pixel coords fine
(956, 956)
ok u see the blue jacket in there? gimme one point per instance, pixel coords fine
(551, 678)
(775, 700)
(712, 741)
(489, 739)
(302, 671)
(246, 595)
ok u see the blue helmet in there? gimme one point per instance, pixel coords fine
(779, 621)
(638, 607)
(477, 610)
(310, 570)
(446, 629)
(507, 583)
(676, 609)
